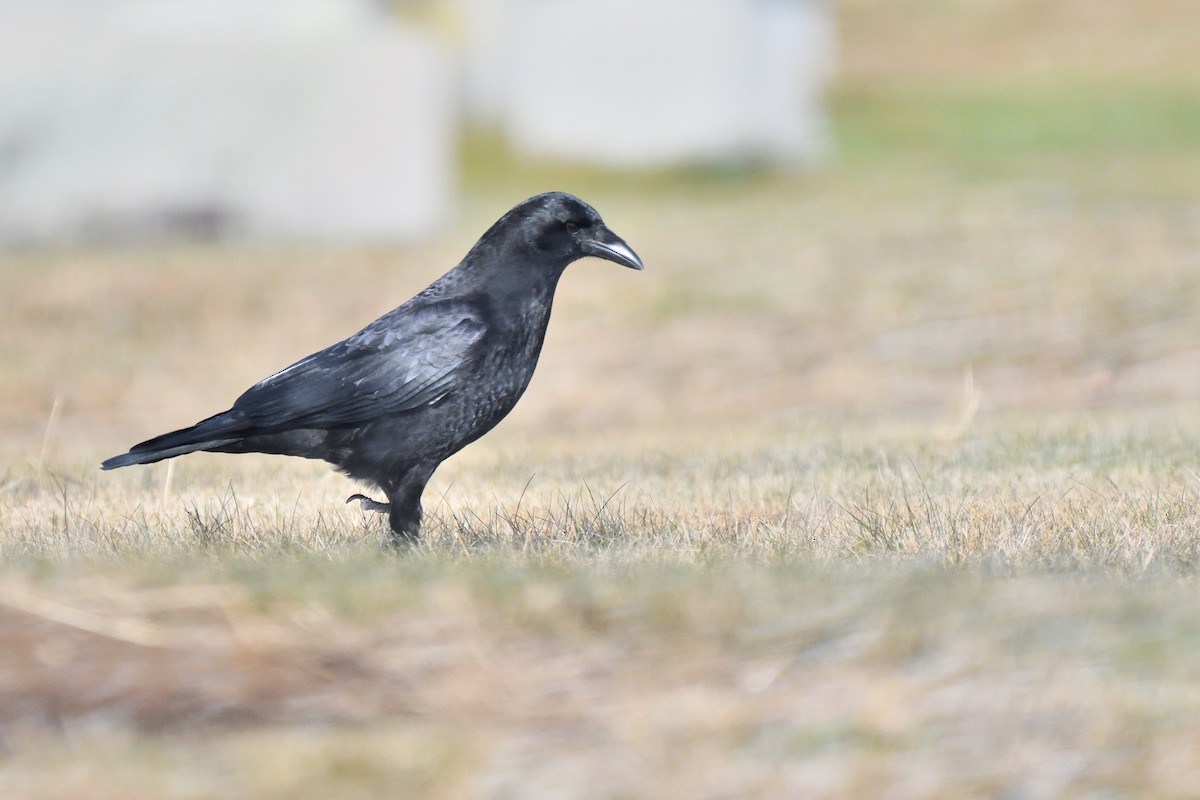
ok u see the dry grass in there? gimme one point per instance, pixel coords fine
(1113, 494)
(880, 481)
(483, 679)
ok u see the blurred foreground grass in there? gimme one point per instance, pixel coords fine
(879, 480)
(517, 678)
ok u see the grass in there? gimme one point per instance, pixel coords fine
(509, 677)
(1105, 495)
(879, 480)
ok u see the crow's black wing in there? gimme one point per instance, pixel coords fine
(405, 360)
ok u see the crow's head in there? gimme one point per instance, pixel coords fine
(563, 228)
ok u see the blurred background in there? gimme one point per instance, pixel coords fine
(925, 211)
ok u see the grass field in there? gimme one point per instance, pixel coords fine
(879, 481)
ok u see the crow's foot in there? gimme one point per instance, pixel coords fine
(367, 504)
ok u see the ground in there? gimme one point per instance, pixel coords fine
(880, 480)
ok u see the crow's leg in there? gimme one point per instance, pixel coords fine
(367, 504)
(405, 521)
(404, 514)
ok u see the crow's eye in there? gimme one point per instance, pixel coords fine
(572, 226)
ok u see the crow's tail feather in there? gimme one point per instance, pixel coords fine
(151, 456)
(216, 431)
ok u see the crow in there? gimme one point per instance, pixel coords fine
(390, 403)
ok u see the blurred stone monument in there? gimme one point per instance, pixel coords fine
(645, 83)
(267, 119)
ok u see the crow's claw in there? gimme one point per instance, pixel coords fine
(367, 504)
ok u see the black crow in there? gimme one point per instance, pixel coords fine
(390, 403)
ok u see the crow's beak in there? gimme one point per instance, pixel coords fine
(607, 245)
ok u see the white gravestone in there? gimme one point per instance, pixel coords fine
(266, 119)
(647, 83)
